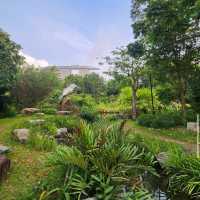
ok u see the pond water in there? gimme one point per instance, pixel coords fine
(159, 188)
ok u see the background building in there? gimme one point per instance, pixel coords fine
(64, 71)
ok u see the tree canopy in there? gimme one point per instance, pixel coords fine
(10, 60)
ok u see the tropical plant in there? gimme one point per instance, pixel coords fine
(184, 174)
(100, 164)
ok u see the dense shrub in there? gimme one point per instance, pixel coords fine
(49, 111)
(190, 115)
(33, 85)
(145, 119)
(89, 114)
(161, 120)
(10, 111)
(50, 103)
(82, 100)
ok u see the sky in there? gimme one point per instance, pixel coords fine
(67, 32)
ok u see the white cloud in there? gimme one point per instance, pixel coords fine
(34, 61)
(74, 39)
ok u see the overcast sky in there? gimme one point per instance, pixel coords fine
(65, 32)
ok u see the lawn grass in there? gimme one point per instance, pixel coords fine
(26, 163)
(180, 134)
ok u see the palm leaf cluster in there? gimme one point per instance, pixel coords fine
(184, 174)
(101, 164)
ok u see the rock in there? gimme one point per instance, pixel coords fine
(21, 135)
(64, 112)
(192, 126)
(162, 158)
(37, 121)
(4, 166)
(63, 136)
(61, 132)
(30, 111)
(4, 149)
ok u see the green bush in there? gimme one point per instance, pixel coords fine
(161, 120)
(83, 100)
(190, 115)
(48, 128)
(49, 111)
(145, 120)
(9, 111)
(89, 114)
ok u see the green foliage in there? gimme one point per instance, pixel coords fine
(9, 111)
(161, 120)
(155, 145)
(83, 100)
(50, 103)
(184, 174)
(48, 110)
(42, 142)
(125, 96)
(145, 101)
(166, 93)
(92, 84)
(170, 31)
(101, 161)
(10, 60)
(145, 120)
(89, 114)
(69, 122)
(34, 85)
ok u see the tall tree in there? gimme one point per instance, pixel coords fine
(171, 31)
(128, 61)
(33, 85)
(10, 60)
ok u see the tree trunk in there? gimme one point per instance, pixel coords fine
(183, 97)
(134, 101)
(152, 100)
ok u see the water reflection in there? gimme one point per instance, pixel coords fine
(159, 188)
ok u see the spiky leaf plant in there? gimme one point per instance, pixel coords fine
(102, 163)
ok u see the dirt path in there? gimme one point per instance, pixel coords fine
(188, 146)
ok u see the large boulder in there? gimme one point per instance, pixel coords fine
(4, 149)
(4, 166)
(30, 111)
(21, 135)
(63, 136)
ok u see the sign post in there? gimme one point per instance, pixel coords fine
(198, 136)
